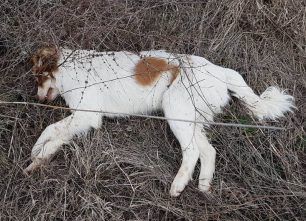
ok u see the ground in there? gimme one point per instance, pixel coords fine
(124, 170)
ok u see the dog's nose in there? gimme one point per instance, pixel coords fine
(40, 98)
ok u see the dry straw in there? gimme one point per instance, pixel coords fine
(124, 170)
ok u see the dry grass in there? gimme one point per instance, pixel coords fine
(124, 170)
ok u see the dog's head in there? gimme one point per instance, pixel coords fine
(45, 63)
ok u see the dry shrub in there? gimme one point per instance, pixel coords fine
(124, 170)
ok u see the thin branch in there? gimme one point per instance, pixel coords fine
(148, 116)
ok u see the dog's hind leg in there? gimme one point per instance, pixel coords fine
(207, 157)
(185, 133)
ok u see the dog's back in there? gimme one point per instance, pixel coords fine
(113, 82)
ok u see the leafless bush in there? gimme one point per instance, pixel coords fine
(124, 170)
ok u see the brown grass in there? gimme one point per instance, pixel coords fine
(124, 170)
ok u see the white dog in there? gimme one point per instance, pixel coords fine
(183, 86)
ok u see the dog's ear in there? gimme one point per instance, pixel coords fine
(45, 60)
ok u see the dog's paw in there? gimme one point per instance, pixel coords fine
(176, 189)
(36, 163)
(204, 187)
(178, 185)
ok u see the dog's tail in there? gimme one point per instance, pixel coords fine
(271, 104)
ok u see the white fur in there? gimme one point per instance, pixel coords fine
(271, 104)
(104, 81)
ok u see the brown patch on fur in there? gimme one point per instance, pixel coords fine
(45, 60)
(175, 70)
(149, 69)
(41, 79)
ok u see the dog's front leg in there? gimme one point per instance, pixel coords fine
(57, 134)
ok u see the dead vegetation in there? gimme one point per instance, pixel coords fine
(124, 170)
